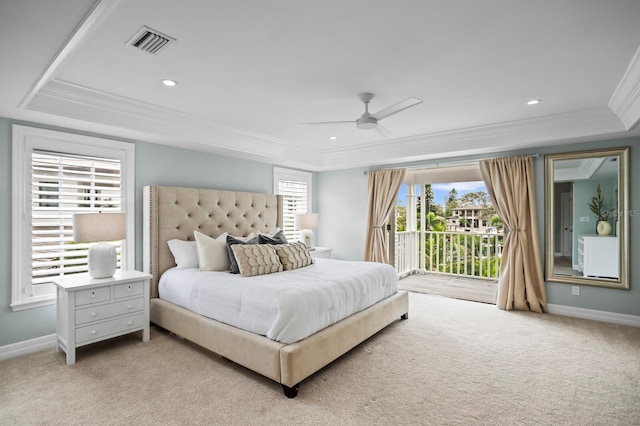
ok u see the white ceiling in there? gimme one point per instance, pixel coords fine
(249, 71)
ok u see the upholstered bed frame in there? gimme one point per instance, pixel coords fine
(172, 212)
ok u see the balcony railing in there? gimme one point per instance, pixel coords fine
(466, 254)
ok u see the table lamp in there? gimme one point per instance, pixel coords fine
(307, 222)
(100, 227)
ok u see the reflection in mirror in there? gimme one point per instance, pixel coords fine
(586, 241)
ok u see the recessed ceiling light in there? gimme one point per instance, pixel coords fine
(169, 83)
(333, 138)
(534, 101)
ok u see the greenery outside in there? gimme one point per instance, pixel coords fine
(458, 252)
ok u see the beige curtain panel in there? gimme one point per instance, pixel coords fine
(511, 187)
(384, 186)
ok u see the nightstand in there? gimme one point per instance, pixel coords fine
(321, 252)
(90, 310)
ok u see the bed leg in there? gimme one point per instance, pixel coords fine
(290, 392)
(405, 316)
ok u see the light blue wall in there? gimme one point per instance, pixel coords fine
(343, 197)
(155, 165)
(340, 197)
(169, 166)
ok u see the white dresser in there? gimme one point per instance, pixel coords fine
(598, 256)
(91, 310)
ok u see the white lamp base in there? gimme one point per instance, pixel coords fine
(306, 236)
(102, 260)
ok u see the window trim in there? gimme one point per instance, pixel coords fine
(280, 173)
(25, 141)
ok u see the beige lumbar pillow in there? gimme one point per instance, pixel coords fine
(256, 259)
(294, 255)
(212, 252)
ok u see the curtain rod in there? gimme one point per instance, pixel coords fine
(447, 164)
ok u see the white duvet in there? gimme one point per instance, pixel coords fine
(285, 306)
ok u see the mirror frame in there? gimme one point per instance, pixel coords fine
(623, 223)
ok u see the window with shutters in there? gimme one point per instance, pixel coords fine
(296, 190)
(56, 175)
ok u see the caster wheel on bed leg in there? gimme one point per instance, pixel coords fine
(290, 392)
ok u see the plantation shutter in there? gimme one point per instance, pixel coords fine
(61, 185)
(295, 201)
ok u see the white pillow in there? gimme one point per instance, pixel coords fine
(184, 253)
(212, 252)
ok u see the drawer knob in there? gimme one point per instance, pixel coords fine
(130, 323)
(93, 332)
(93, 294)
(129, 289)
(129, 306)
(93, 314)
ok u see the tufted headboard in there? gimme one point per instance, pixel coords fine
(174, 212)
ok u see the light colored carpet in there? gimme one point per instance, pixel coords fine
(452, 362)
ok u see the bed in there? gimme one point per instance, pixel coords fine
(175, 213)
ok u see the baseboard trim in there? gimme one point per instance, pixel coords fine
(28, 346)
(592, 314)
(49, 341)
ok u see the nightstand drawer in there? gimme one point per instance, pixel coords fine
(321, 253)
(126, 290)
(101, 312)
(95, 295)
(107, 328)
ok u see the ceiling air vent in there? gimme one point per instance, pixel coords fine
(150, 40)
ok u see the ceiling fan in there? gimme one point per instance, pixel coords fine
(371, 121)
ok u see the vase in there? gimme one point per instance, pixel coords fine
(603, 228)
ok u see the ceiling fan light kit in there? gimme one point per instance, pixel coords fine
(366, 122)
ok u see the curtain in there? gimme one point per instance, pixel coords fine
(511, 187)
(383, 190)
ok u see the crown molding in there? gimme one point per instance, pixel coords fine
(584, 169)
(625, 101)
(493, 138)
(183, 130)
(98, 13)
(169, 126)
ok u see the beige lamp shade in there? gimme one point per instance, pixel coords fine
(102, 259)
(93, 227)
(307, 221)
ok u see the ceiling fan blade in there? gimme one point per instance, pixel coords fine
(383, 131)
(325, 122)
(396, 108)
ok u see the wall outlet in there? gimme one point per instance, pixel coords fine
(584, 218)
(575, 290)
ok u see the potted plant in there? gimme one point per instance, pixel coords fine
(601, 213)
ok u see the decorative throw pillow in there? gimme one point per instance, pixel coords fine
(294, 255)
(231, 241)
(256, 259)
(184, 253)
(277, 238)
(212, 252)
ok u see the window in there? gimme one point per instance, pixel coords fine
(296, 189)
(55, 175)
